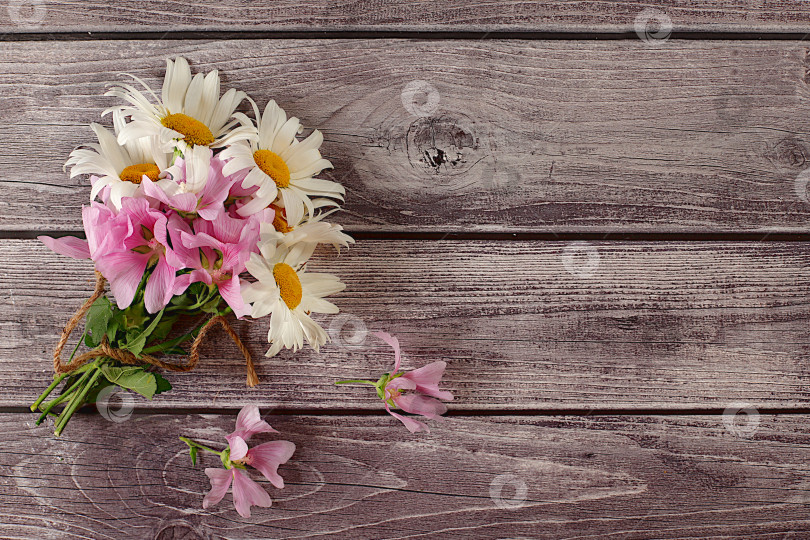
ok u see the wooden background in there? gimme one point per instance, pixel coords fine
(605, 237)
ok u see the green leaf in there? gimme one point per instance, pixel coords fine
(112, 329)
(100, 384)
(133, 378)
(192, 450)
(182, 300)
(163, 329)
(162, 384)
(98, 317)
(135, 316)
(136, 344)
(211, 306)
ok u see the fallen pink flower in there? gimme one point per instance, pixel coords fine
(246, 492)
(265, 458)
(415, 392)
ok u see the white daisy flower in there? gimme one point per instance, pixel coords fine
(189, 113)
(288, 294)
(122, 167)
(280, 165)
(302, 239)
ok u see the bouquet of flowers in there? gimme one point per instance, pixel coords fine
(196, 212)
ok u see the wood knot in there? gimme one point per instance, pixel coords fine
(788, 155)
(444, 146)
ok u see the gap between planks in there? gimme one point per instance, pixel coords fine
(594, 236)
(465, 413)
(421, 35)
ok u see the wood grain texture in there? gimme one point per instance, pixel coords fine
(397, 15)
(522, 325)
(366, 477)
(526, 136)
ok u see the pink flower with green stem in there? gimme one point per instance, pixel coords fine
(216, 252)
(265, 458)
(415, 392)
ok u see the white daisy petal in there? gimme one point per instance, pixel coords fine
(276, 292)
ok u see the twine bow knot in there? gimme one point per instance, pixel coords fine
(127, 357)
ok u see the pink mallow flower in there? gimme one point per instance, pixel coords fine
(415, 392)
(123, 246)
(206, 203)
(216, 251)
(266, 458)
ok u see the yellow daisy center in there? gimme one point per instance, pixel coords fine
(279, 222)
(289, 284)
(195, 132)
(135, 173)
(273, 166)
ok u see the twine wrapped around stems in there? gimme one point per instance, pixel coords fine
(126, 357)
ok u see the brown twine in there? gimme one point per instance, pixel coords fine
(126, 357)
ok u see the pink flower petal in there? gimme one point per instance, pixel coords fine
(413, 426)
(239, 447)
(231, 292)
(160, 287)
(419, 404)
(124, 271)
(180, 256)
(152, 190)
(139, 211)
(200, 239)
(393, 342)
(185, 202)
(220, 482)
(268, 456)
(247, 493)
(182, 282)
(69, 245)
(427, 380)
(249, 422)
(401, 383)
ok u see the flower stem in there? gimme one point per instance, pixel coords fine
(200, 446)
(59, 378)
(76, 401)
(69, 393)
(172, 342)
(76, 348)
(357, 381)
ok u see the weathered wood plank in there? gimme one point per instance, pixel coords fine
(464, 15)
(535, 325)
(365, 477)
(534, 136)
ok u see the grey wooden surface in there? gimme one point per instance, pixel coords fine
(400, 15)
(355, 477)
(523, 325)
(605, 239)
(558, 136)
